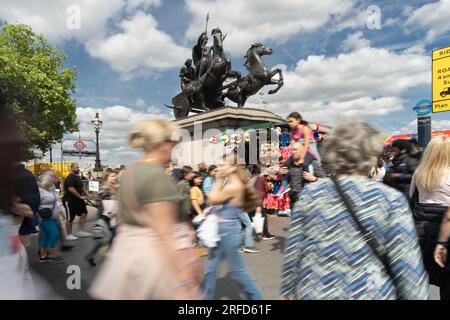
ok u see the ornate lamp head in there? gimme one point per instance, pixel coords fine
(96, 122)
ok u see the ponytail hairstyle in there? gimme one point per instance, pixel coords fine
(298, 117)
(251, 197)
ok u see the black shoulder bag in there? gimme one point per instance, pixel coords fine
(366, 234)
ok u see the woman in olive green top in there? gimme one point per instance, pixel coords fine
(145, 261)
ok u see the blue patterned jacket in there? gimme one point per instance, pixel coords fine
(326, 257)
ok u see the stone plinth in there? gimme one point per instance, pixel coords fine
(229, 118)
(196, 145)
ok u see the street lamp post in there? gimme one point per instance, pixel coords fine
(97, 124)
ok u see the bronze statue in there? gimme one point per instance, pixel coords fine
(203, 89)
(187, 74)
(199, 50)
(259, 76)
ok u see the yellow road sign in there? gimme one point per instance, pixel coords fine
(441, 80)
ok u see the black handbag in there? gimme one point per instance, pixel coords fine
(45, 213)
(366, 234)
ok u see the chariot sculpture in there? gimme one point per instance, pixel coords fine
(203, 77)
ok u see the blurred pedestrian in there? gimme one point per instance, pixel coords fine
(330, 253)
(197, 206)
(49, 211)
(234, 197)
(209, 181)
(175, 172)
(196, 195)
(184, 190)
(203, 170)
(377, 173)
(414, 150)
(430, 193)
(403, 166)
(74, 202)
(441, 252)
(15, 277)
(257, 182)
(105, 226)
(150, 257)
(294, 168)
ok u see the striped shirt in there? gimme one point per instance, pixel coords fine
(326, 257)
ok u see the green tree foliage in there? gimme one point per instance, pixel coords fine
(37, 87)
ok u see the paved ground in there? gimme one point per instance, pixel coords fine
(265, 267)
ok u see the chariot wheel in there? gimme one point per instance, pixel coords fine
(181, 107)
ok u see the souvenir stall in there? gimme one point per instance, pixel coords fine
(273, 149)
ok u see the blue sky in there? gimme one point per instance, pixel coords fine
(337, 66)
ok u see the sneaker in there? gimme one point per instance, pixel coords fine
(42, 259)
(202, 252)
(55, 260)
(241, 250)
(251, 250)
(71, 237)
(84, 234)
(269, 237)
(91, 261)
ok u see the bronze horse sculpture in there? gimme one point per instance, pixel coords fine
(259, 76)
(213, 68)
(203, 89)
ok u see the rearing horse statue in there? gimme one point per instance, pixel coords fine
(212, 69)
(259, 76)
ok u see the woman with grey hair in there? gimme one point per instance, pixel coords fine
(350, 237)
(49, 211)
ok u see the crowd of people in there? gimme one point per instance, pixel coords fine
(367, 222)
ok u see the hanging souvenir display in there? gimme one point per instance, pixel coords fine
(213, 140)
(233, 138)
(225, 139)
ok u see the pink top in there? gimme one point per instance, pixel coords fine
(299, 134)
(441, 196)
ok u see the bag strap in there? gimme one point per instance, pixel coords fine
(367, 235)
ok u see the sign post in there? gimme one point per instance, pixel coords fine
(423, 110)
(440, 83)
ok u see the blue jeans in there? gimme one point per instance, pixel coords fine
(247, 235)
(228, 248)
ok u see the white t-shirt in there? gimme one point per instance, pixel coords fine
(50, 199)
(441, 196)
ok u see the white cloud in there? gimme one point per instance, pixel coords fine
(251, 21)
(117, 123)
(139, 103)
(355, 19)
(50, 17)
(440, 124)
(433, 17)
(367, 82)
(411, 127)
(139, 48)
(154, 110)
(355, 41)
